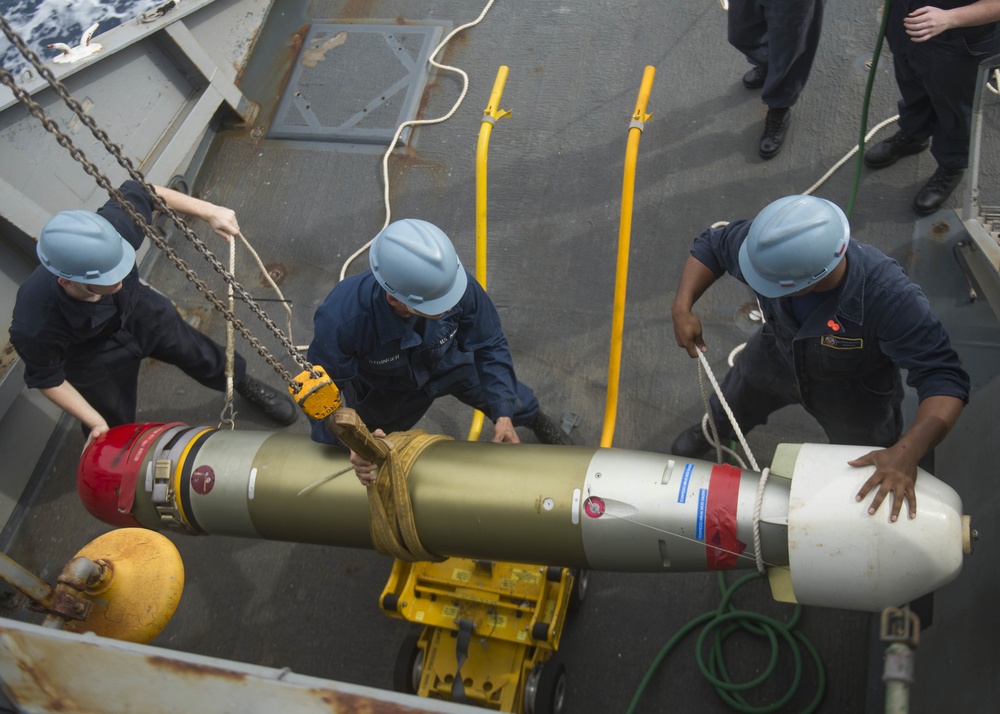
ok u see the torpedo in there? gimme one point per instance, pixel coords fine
(598, 509)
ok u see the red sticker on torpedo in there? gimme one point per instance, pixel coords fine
(203, 479)
(593, 507)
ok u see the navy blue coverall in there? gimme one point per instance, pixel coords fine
(98, 347)
(390, 369)
(782, 36)
(937, 79)
(838, 354)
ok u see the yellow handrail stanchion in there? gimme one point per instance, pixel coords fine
(639, 118)
(490, 115)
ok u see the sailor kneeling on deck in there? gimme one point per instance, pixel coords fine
(415, 327)
(83, 322)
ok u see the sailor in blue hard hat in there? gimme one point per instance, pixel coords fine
(413, 328)
(83, 321)
(841, 320)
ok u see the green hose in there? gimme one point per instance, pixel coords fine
(864, 107)
(715, 671)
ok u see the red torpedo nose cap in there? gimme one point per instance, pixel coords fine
(109, 469)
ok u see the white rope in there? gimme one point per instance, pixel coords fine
(274, 286)
(228, 415)
(704, 366)
(739, 348)
(420, 122)
(756, 519)
(878, 127)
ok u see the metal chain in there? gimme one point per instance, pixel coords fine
(51, 126)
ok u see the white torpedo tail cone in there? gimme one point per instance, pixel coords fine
(840, 556)
(572, 506)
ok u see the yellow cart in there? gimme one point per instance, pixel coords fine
(490, 631)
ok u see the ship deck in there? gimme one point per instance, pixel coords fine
(555, 190)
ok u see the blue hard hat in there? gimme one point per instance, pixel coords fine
(416, 263)
(793, 243)
(84, 247)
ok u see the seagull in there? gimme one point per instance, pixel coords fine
(73, 54)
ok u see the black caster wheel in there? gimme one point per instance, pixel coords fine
(409, 666)
(545, 689)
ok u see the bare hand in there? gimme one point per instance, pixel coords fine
(223, 222)
(687, 332)
(503, 432)
(367, 471)
(893, 474)
(923, 24)
(95, 432)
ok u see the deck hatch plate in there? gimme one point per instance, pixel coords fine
(356, 83)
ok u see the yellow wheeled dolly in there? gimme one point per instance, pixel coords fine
(490, 628)
(490, 631)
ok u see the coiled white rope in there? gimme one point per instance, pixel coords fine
(420, 122)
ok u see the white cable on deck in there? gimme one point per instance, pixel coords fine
(420, 122)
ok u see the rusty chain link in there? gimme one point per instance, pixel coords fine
(52, 127)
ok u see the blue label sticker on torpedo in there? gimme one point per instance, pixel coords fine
(682, 494)
(699, 529)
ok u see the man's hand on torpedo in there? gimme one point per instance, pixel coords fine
(893, 474)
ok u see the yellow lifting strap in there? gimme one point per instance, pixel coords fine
(391, 523)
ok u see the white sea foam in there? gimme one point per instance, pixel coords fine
(43, 22)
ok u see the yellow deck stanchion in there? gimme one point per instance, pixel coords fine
(490, 115)
(639, 117)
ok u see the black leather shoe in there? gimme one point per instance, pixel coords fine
(754, 78)
(276, 406)
(546, 430)
(937, 189)
(775, 127)
(691, 443)
(886, 153)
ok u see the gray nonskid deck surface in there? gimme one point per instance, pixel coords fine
(555, 196)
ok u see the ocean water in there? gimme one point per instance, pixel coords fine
(43, 22)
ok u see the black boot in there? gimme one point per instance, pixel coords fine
(775, 127)
(546, 430)
(754, 78)
(276, 406)
(937, 189)
(691, 443)
(886, 153)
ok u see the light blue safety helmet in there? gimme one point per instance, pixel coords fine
(416, 263)
(84, 247)
(793, 243)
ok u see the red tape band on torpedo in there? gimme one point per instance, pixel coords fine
(720, 518)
